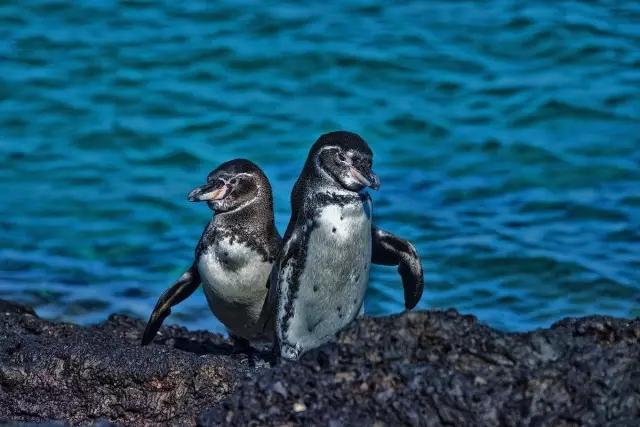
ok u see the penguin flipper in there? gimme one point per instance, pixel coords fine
(278, 285)
(185, 286)
(267, 315)
(388, 249)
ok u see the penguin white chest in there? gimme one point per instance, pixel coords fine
(335, 276)
(234, 279)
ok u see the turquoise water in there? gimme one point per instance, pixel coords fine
(507, 138)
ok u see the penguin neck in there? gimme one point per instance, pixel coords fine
(253, 217)
(315, 180)
(251, 225)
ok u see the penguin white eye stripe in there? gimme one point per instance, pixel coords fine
(317, 164)
(228, 179)
(328, 147)
(243, 174)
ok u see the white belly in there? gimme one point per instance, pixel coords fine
(234, 279)
(335, 277)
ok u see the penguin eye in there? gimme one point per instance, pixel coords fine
(342, 157)
(234, 181)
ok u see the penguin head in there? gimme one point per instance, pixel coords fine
(346, 159)
(232, 185)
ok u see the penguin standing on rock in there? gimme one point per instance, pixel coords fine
(322, 272)
(234, 256)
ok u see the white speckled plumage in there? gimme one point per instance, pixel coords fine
(234, 282)
(328, 299)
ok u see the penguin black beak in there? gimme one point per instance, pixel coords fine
(374, 180)
(366, 177)
(211, 191)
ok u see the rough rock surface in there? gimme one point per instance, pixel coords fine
(421, 368)
(60, 371)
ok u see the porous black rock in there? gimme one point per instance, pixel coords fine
(443, 369)
(420, 368)
(53, 371)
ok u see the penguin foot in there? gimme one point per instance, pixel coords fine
(241, 346)
(290, 352)
(274, 358)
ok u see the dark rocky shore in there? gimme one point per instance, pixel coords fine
(421, 368)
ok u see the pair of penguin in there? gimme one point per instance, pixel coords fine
(301, 290)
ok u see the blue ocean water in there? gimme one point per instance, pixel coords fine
(506, 136)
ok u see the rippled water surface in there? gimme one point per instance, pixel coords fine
(507, 138)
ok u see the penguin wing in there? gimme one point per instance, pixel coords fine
(278, 283)
(388, 249)
(270, 309)
(267, 317)
(185, 286)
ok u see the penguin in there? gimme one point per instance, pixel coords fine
(321, 275)
(233, 258)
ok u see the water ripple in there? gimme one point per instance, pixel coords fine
(506, 137)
